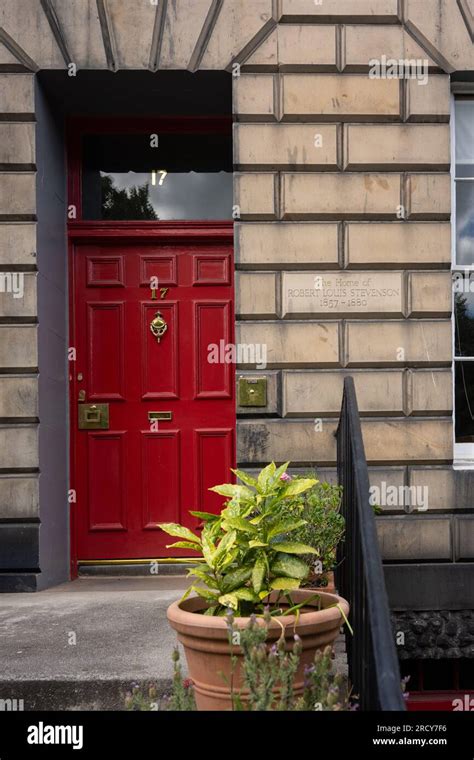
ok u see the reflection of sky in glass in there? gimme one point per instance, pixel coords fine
(464, 323)
(464, 138)
(470, 305)
(465, 222)
(183, 195)
(465, 187)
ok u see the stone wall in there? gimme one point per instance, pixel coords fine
(434, 635)
(19, 396)
(344, 251)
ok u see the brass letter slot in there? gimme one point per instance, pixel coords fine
(93, 416)
(160, 416)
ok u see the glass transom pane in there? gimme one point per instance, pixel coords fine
(128, 177)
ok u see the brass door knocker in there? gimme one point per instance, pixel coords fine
(158, 326)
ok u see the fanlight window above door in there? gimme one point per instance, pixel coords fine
(153, 176)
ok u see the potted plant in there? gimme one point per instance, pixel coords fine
(251, 566)
(323, 530)
(264, 670)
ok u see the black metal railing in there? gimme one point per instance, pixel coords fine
(373, 664)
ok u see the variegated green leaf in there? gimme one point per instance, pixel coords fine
(247, 510)
(229, 600)
(205, 577)
(245, 478)
(229, 558)
(257, 520)
(293, 547)
(285, 526)
(225, 545)
(266, 475)
(254, 543)
(280, 470)
(206, 516)
(207, 594)
(208, 548)
(258, 574)
(289, 566)
(184, 545)
(236, 578)
(232, 509)
(297, 486)
(238, 523)
(173, 529)
(285, 583)
(245, 594)
(186, 593)
(233, 491)
(203, 567)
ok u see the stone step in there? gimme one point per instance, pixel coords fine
(73, 695)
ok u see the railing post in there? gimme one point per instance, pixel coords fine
(373, 664)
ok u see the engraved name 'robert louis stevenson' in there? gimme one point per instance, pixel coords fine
(335, 293)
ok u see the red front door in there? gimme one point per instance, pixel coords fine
(142, 471)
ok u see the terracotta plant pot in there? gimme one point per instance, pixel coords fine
(207, 649)
(323, 581)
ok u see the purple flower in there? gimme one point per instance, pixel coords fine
(285, 476)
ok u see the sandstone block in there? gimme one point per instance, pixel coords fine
(294, 343)
(256, 294)
(284, 244)
(392, 343)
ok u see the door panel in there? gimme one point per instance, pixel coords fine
(105, 271)
(163, 267)
(106, 339)
(160, 367)
(214, 459)
(213, 328)
(212, 269)
(106, 480)
(161, 474)
(142, 471)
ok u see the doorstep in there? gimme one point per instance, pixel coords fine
(121, 636)
(143, 570)
(72, 695)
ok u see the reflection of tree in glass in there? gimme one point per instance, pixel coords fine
(129, 203)
(464, 375)
(464, 391)
(464, 327)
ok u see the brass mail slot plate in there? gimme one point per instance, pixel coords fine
(252, 391)
(160, 416)
(93, 416)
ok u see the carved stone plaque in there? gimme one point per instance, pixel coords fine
(334, 294)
